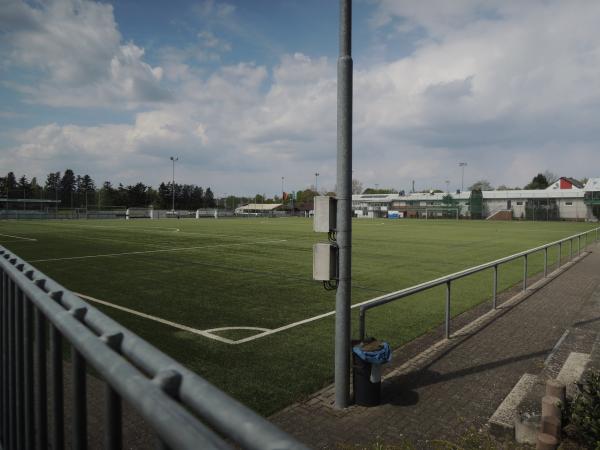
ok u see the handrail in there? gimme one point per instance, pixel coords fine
(448, 279)
(168, 396)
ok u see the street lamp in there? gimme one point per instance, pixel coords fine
(462, 165)
(282, 191)
(317, 182)
(173, 158)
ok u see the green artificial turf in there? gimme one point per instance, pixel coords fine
(258, 273)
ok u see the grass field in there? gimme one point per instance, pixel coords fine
(212, 274)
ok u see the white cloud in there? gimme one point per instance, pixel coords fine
(76, 49)
(511, 89)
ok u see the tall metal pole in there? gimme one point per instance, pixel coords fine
(317, 182)
(344, 205)
(173, 158)
(282, 192)
(7, 195)
(462, 180)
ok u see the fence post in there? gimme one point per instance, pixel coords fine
(9, 439)
(41, 420)
(79, 425)
(19, 372)
(524, 273)
(578, 245)
(545, 262)
(56, 356)
(495, 287)
(361, 324)
(5, 363)
(571, 249)
(448, 309)
(28, 373)
(559, 254)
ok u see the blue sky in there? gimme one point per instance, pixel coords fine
(244, 91)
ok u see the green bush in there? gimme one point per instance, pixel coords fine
(583, 414)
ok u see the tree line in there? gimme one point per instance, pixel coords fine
(80, 191)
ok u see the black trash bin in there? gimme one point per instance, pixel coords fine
(367, 359)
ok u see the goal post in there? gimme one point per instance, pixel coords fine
(207, 213)
(140, 213)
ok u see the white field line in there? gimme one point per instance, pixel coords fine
(205, 334)
(295, 324)
(145, 252)
(266, 332)
(237, 328)
(132, 228)
(120, 241)
(19, 237)
(170, 229)
(208, 333)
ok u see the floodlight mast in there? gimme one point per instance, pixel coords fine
(344, 209)
(462, 180)
(173, 158)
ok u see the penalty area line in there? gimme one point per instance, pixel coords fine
(19, 237)
(144, 252)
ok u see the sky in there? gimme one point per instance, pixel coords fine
(244, 92)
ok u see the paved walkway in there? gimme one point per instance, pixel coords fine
(441, 391)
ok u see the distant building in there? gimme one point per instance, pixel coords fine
(565, 199)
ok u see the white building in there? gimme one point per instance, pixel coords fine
(564, 199)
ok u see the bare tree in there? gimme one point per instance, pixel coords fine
(482, 185)
(357, 186)
(551, 177)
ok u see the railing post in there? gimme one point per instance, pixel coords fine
(571, 249)
(524, 273)
(4, 356)
(56, 356)
(10, 440)
(41, 421)
(20, 393)
(578, 245)
(545, 262)
(79, 429)
(113, 411)
(28, 373)
(448, 293)
(495, 287)
(361, 324)
(559, 254)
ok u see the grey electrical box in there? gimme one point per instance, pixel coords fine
(324, 262)
(325, 214)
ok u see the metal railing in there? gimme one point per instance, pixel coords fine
(448, 279)
(184, 410)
